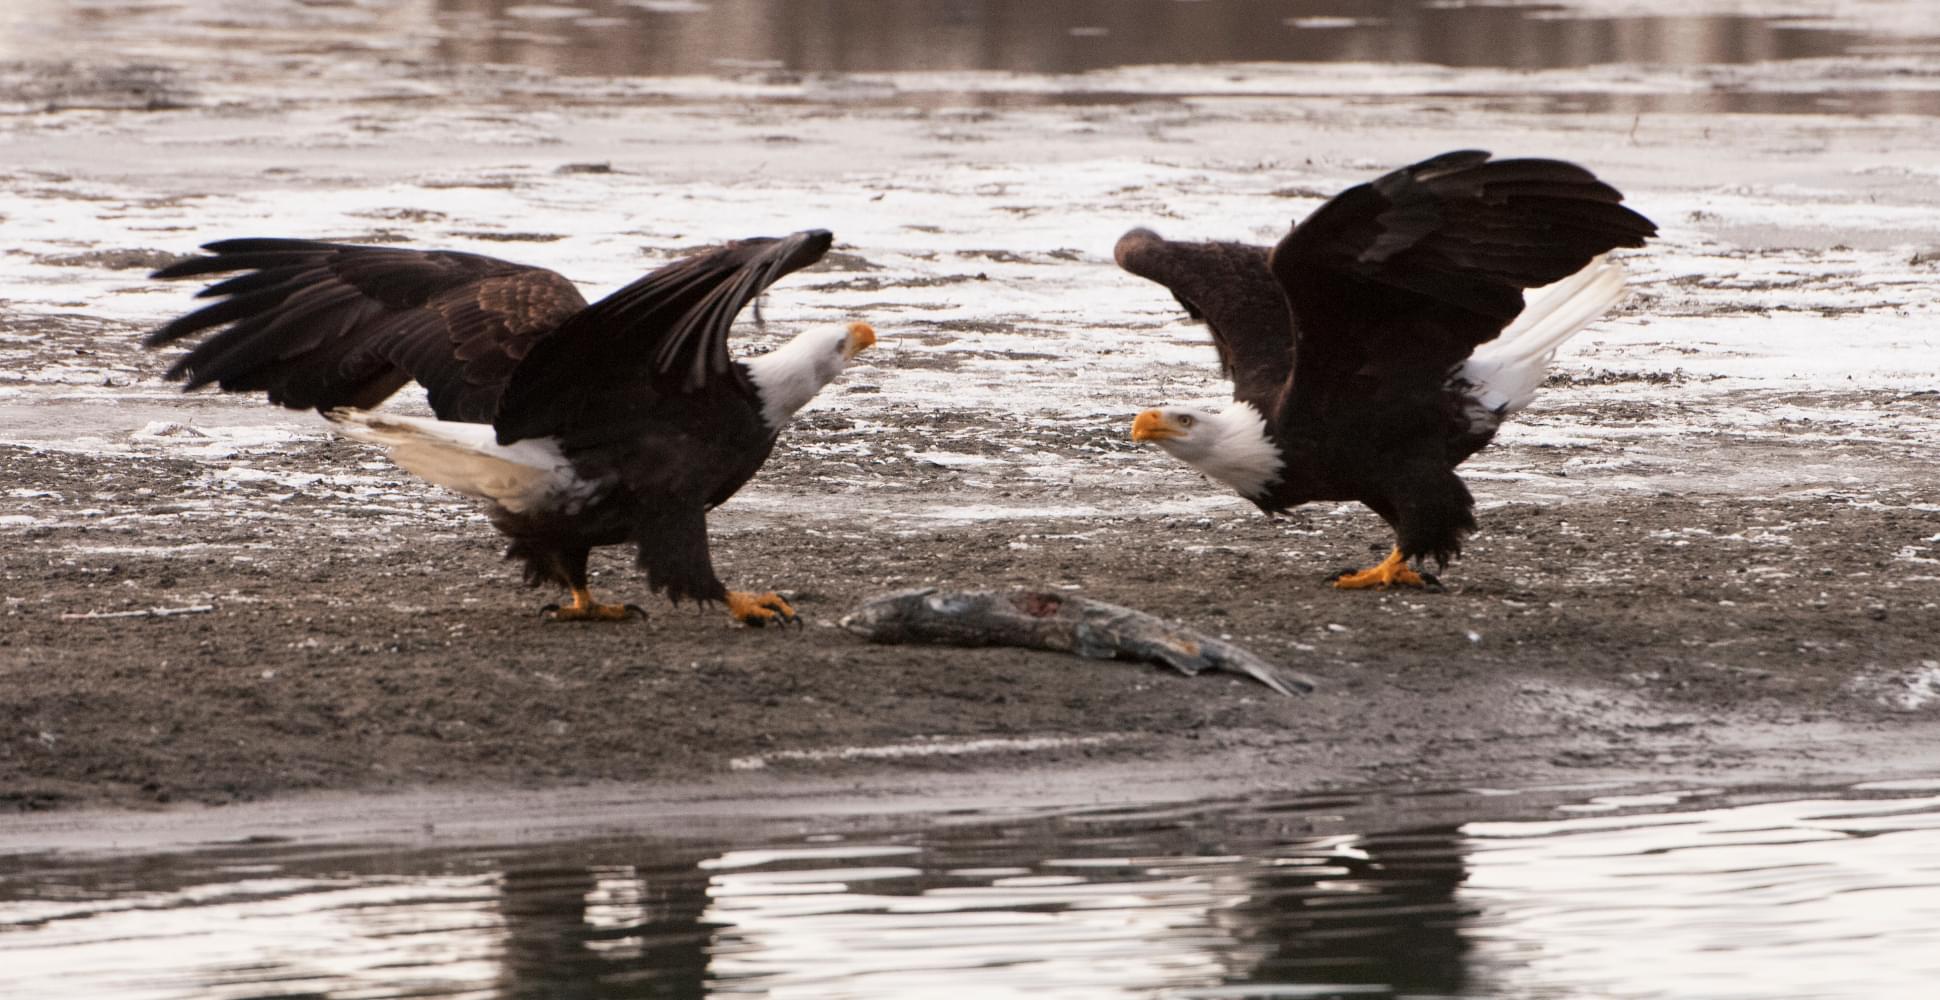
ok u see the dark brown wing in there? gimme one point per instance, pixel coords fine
(1412, 271)
(664, 335)
(328, 324)
(1228, 286)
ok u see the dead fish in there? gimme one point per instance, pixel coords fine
(1062, 623)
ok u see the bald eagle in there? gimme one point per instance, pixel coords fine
(1385, 338)
(581, 425)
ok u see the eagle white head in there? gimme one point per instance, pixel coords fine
(790, 375)
(1229, 445)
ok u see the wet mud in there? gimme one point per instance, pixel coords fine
(319, 621)
(1711, 551)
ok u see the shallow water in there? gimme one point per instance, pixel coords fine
(635, 38)
(1697, 892)
(649, 38)
(153, 41)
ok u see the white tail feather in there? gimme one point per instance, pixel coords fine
(467, 458)
(1506, 371)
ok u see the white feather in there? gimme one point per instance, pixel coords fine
(1506, 371)
(520, 477)
(535, 475)
(1230, 446)
(1246, 458)
(789, 376)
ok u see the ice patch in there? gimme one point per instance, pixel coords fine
(1900, 785)
(1905, 690)
(935, 747)
(167, 429)
(237, 475)
(1324, 23)
(993, 512)
(150, 551)
(952, 460)
(1881, 17)
(1912, 554)
(546, 12)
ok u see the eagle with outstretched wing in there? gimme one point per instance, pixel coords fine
(1386, 337)
(582, 425)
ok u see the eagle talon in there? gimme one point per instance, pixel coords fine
(785, 614)
(1391, 572)
(585, 609)
(761, 610)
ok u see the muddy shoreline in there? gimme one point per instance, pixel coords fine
(338, 642)
(1710, 552)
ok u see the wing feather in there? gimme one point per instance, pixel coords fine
(1411, 271)
(663, 335)
(1228, 286)
(316, 324)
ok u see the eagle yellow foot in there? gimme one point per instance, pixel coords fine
(761, 609)
(585, 609)
(1391, 572)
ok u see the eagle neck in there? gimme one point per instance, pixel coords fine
(1244, 455)
(787, 377)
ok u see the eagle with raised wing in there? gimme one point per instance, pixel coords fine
(1386, 337)
(622, 421)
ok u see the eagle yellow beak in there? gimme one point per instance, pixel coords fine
(861, 336)
(1152, 426)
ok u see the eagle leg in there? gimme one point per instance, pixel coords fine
(585, 609)
(1392, 571)
(761, 609)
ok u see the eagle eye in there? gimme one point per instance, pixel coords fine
(1185, 420)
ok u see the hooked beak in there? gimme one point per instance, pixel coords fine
(1152, 426)
(861, 336)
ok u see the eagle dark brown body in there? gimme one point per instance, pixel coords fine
(586, 425)
(1353, 343)
(700, 452)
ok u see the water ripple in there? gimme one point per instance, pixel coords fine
(1450, 894)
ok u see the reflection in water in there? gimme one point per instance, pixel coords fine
(1097, 905)
(635, 38)
(806, 48)
(1383, 897)
(1387, 915)
(578, 930)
